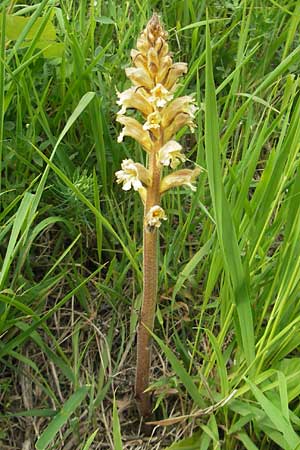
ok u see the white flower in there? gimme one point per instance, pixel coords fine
(153, 121)
(154, 217)
(160, 96)
(129, 176)
(170, 154)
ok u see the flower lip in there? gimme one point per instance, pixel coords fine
(153, 121)
(160, 95)
(170, 154)
(129, 176)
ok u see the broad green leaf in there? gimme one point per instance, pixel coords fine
(246, 441)
(16, 24)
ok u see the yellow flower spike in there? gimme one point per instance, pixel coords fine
(184, 177)
(134, 129)
(155, 77)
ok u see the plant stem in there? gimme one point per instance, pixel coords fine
(150, 275)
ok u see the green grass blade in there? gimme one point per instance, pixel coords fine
(97, 213)
(61, 418)
(225, 227)
(117, 438)
(190, 443)
(90, 440)
(277, 418)
(19, 222)
(180, 371)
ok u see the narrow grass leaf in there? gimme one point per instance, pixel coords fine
(190, 266)
(19, 221)
(275, 415)
(16, 341)
(221, 366)
(225, 227)
(90, 440)
(247, 442)
(116, 428)
(97, 213)
(180, 371)
(61, 418)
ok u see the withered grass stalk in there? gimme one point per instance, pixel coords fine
(154, 78)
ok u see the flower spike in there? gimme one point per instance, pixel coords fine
(154, 77)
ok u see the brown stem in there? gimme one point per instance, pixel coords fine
(150, 274)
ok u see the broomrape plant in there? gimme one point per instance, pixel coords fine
(154, 78)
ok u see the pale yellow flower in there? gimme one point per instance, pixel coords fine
(138, 59)
(176, 70)
(160, 96)
(134, 129)
(170, 154)
(133, 98)
(128, 176)
(153, 121)
(184, 177)
(132, 175)
(139, 77)
(178, 122)
(165, 64)
(154, 217)
(179, 105)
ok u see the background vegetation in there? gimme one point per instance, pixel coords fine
(226, 360)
